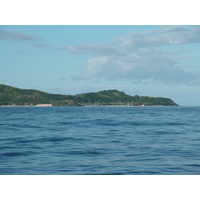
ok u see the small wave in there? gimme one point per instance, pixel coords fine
(175, 123)
(57, 139)
(14, 154)
(24, 141)
(193, 165)
(6, 147)
(87, 153)
(65, 123)
(114, 130)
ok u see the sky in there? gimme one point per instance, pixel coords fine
(145, 60)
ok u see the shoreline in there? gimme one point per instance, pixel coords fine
(21, 106)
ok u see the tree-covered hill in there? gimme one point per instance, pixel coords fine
(15, 96)
(114, 97)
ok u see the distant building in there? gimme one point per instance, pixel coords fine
(43, 105)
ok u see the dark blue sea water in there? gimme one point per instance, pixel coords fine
(100, 140)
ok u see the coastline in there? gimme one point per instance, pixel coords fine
(8, 106)
(22, 106)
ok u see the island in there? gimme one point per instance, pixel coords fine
(12, 96)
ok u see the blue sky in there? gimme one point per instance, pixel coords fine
(160, 61)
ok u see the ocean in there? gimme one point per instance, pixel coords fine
(100, 140)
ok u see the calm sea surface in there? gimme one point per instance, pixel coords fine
(100, 140)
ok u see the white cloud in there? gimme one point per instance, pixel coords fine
(173, 35)
(137, 57)
(99, 49)
(157, 66)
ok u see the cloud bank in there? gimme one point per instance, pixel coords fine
(46, 46)
(138, 57)
(7, 35)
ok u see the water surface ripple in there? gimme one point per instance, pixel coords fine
(100, 140)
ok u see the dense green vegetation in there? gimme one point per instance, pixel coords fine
(15, 96)
(114, 97)
(11, 95)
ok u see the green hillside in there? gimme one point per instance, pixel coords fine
(114, 97)
(15, 96)
(11, 95)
